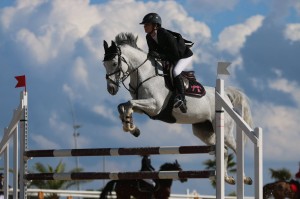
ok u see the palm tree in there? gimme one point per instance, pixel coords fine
(280, 174)
(53, 184)
(211, 165)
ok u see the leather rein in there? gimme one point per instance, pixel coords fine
(127, 73)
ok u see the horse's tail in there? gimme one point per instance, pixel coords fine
(109, 187)
(238, 98)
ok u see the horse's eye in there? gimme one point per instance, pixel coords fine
(115, 64)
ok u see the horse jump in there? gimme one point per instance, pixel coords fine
(236, 113)
(119, 152)
(20, 115)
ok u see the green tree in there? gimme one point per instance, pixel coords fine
(280, 174)
(211, 165)
(53, 184)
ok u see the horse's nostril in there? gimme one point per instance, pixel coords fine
(112, 90)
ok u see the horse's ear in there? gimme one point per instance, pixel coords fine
(105, 45)
(113, 43)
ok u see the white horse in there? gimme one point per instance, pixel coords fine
(123, 59)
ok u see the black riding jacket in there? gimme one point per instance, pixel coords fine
(168, 46)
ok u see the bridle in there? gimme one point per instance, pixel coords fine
(123, 75)
(119, 68)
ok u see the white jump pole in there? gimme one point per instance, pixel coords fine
(258, 160)
(16, 162)
(240, 189)
(23, 144)
(242, 127)
(220, 172)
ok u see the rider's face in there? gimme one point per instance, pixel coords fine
(148, 27)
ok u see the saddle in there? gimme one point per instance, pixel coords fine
(192, 87)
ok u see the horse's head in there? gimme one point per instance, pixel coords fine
(113, 65)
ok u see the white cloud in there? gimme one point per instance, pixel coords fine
(39, 47)
(57, 125)
(280, 130)
(289, 87)
(69, 91)
(80, 72)
(233, 38)
(292, 32)
(297, 6)
(77, 13)
(211, 6)
(105, 112)
(280, 123)
(44, 142)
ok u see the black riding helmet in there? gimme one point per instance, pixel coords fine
(151, 18)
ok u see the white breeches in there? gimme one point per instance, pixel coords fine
(181, 65)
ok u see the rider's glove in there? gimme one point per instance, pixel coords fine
(154, 54)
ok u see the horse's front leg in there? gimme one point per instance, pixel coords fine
(141, 106)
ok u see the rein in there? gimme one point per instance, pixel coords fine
(126, 74)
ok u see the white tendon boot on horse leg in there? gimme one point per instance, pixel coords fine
(126, 116)
(228, 179)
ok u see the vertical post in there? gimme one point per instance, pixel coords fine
(23, 145)
(240, 157)
(258, 156)
(6, 170)
(220, 141)
(16, 163)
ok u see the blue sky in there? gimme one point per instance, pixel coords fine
(58, 46)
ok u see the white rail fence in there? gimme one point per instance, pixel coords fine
(242, 127)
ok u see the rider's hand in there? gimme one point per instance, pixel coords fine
(153, 54)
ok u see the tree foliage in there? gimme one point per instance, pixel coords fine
(53, 184)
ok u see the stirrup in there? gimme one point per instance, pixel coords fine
(180, 103)
(183, 108)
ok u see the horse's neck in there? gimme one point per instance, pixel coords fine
(138, 63)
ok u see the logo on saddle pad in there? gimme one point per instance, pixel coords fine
(192, 87)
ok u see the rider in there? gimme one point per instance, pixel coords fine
(162, 44)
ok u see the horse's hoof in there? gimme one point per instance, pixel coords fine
(248, 180)
(230, 180)
(136, 132)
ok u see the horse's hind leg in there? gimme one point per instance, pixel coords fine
(205, 132)
(230, 142)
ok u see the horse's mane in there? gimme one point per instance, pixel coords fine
(128, 38)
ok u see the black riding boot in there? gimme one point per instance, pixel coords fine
(179, 100)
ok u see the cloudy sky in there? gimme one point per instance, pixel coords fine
(58, 46)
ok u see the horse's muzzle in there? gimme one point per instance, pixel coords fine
(112, 88)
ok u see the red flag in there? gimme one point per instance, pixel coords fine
(21, 81)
